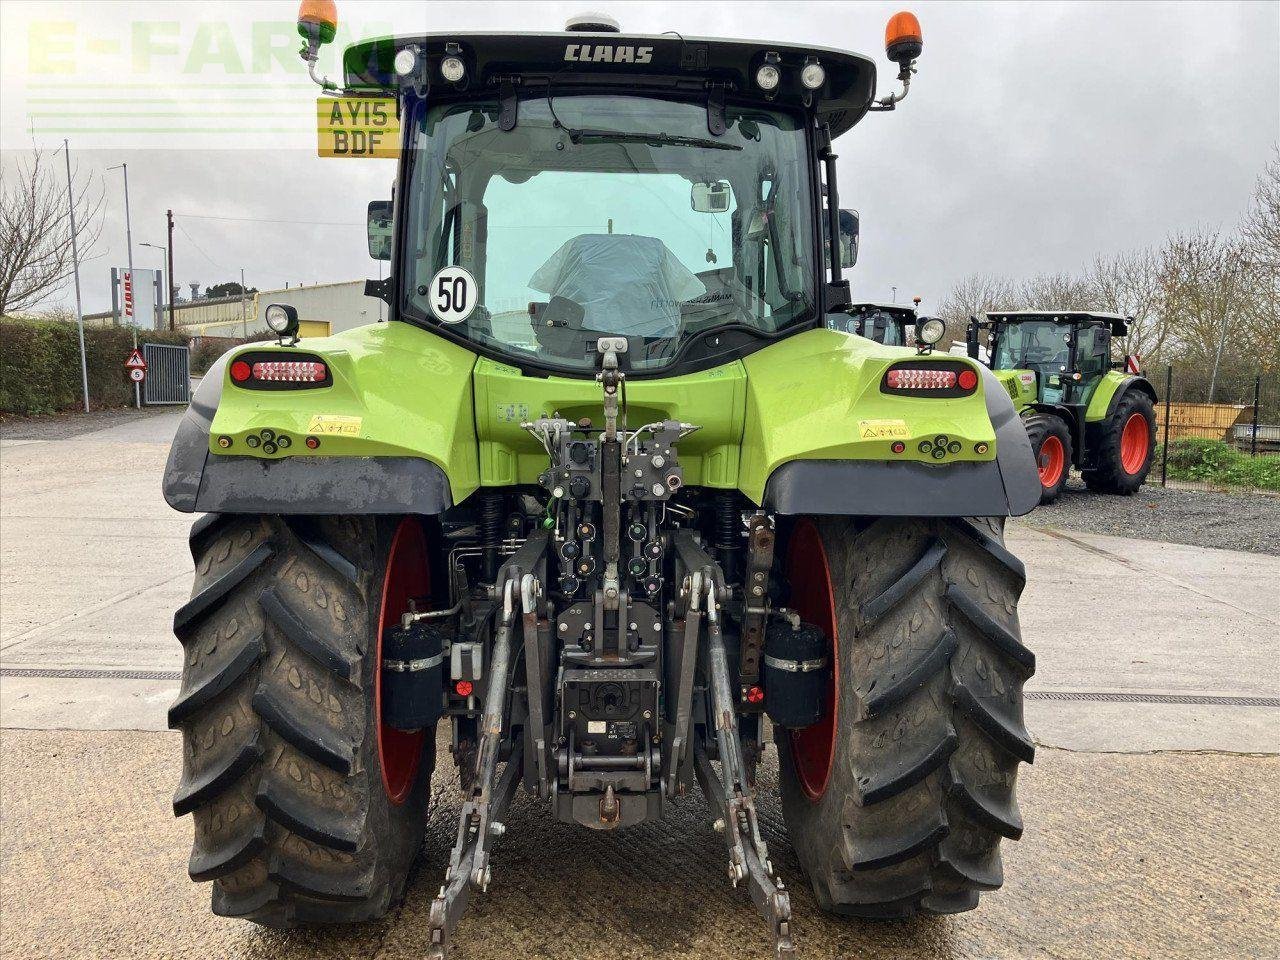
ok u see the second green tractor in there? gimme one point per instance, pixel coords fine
(1078, 409)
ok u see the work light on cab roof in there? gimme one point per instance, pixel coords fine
(399, 63)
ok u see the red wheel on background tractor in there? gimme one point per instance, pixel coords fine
(896, 800)
(1126, 447)
(307, 808)
(1051, 445)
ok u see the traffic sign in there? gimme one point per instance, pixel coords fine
(137, 374)
(135, 362)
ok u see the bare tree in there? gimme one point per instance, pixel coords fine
(35, 229)
(1057, 291)
(971, 297)
(1207, 282)
(1262, 224)
(1261, 232)
(1130, 284)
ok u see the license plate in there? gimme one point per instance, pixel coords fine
(358, 127)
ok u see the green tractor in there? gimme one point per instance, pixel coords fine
(1080, 409)
(887, 323)
(602, 506)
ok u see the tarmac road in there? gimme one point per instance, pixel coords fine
(1151, 826)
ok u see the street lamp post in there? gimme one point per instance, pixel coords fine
(133, 281)
(75, 269)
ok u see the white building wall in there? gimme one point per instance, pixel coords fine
(341, 305)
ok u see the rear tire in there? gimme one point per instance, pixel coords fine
(282, 767)
(1126, 447)
(927, 734)
(1051, 446)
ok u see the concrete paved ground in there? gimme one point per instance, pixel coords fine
(1161, 857)
(1148, 834)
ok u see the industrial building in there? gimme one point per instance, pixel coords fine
(323, 308)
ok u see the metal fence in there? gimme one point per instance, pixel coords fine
(168, 374)
(1218, 434)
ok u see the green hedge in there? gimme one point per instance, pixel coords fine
(40, 365)
(1217, 462)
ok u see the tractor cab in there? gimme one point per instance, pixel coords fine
(1080, 408)
(1048, 356)
(886, 323)
(556, 188)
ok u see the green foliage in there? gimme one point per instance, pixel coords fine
(1217, 462)
(40, 365)
(230, 289)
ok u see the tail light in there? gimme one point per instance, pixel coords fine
(257, 371)
(928, 378)
(291, 371)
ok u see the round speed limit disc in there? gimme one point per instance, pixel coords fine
(452, 295)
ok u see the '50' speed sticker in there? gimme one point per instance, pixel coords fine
(452, 295)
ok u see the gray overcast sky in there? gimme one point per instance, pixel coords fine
(1036, 134)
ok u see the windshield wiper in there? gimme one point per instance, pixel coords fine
(652, 139)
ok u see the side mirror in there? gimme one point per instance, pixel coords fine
(713, 197)
(849, 229)
(971, 338)
(379, 226)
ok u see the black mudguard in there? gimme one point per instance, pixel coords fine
(1008, 486)
(197, 480)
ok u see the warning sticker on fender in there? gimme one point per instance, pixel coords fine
(328, 425)
(882, 430)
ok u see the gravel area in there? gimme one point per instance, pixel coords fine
(64, 426)
(1228, 521)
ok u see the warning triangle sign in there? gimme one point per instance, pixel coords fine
(135, 361)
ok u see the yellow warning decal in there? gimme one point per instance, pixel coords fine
(328, 425)
(882, 430)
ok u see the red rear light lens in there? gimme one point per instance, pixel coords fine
(909, 379)
(463, 688)
(930, 378)
(272, 370)
(289, 371)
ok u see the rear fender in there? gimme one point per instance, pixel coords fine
(1109, 391)
(402, 399)
(814, 438)
(1113, 388)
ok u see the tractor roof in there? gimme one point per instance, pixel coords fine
(1058, 316)
(665, 64)
(1118, 323)
(866, 305)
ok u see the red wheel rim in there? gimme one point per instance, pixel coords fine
(407, 576)
(813, 748)
(1053, 460)
(1134, 442)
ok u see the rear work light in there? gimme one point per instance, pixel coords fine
(258, 371)
(926, 378)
